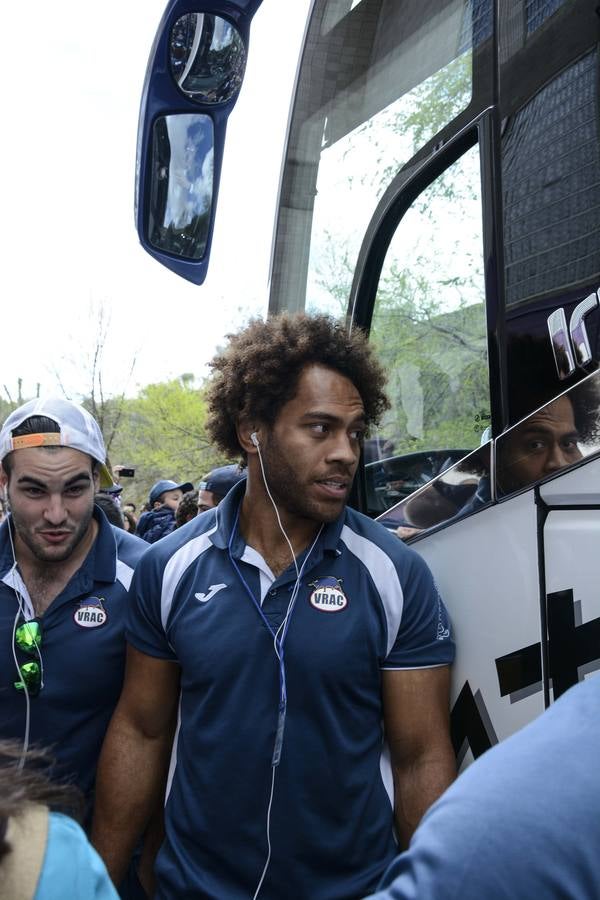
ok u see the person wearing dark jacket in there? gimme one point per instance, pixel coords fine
(163, 500)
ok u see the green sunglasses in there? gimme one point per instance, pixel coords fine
(28, 639)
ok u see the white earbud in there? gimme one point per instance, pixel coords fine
(254, 439)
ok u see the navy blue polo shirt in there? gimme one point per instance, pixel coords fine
(83, 653)
(366, 603)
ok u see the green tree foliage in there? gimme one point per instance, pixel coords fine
(437, 364)
(428, 325)
(161, 433)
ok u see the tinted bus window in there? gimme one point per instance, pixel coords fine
(378, 80)
(537, 11)
(551, 182)
(429, 330)
(548, 103)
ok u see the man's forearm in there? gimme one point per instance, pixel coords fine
(130, 779)
(417, 785)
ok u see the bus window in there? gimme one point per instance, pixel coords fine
(537, 11)
(549, 106)
(551, 180)
(429, 331)
(378, 80)
(460, 490)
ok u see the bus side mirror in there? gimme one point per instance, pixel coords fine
(194, 75)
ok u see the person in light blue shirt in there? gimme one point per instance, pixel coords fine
(521, 823)
(44, 853)
(71, 867)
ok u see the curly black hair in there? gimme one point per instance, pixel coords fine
(258, 372)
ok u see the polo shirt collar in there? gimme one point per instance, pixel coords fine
(226, 514)
(6, 557)
(104, 550)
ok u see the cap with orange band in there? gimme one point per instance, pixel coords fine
(77, 429)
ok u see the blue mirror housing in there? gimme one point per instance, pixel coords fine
(192, 82)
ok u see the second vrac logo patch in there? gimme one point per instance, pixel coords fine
(327, 595)
(90, 613)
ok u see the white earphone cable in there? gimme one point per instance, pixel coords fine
(20, 612)
(281, 528)
(277, 642)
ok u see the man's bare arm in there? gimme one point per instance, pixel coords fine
(134, 758)
(416, 719)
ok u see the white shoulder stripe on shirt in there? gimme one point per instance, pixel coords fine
(179, 562)
(385, 577)
(124, 573)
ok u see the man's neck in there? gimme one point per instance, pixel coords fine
(46, 580)
(260, 529)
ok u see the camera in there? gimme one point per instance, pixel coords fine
(125, 472)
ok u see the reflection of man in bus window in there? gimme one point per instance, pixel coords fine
(540, 446)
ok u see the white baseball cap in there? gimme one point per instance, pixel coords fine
(78, 430)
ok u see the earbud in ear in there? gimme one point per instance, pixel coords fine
(254, 439)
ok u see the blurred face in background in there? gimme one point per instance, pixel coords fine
(207, 500)
(170, 499)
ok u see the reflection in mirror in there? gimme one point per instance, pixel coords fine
(560, 434)
(181, 185)
(208, 57)
(459, 490)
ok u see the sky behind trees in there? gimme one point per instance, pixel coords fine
(72, 77)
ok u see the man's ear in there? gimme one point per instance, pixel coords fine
(248, 435)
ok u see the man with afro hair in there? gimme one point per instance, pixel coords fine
(304, 650)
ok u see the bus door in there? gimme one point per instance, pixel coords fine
(441, 189)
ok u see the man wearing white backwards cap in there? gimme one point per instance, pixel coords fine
(64, 576)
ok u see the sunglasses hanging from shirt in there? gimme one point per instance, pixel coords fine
(28, 639)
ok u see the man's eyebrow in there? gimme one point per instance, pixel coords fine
(360, 418)
(82, 476)
(29, 479)
(537, 429)
(547, 429)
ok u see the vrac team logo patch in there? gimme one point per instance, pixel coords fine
(327, 595)
(90, 613)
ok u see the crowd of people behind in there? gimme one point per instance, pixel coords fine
(170, 505)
